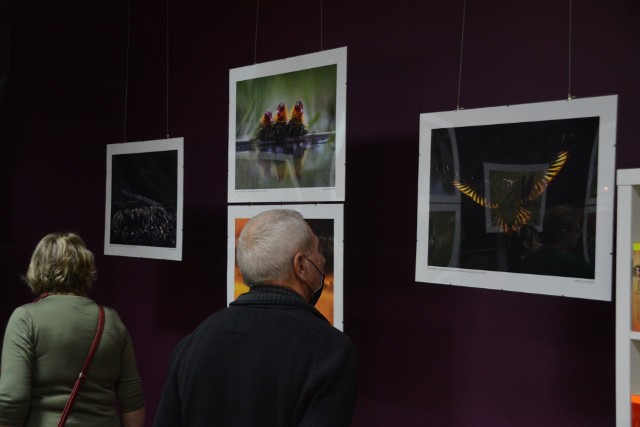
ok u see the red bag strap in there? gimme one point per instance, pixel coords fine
(83, 375)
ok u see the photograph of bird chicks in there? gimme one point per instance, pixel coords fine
(285, 130)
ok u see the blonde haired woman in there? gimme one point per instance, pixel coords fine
(46, 344)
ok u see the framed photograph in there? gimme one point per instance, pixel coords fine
(287, 129)
(327, 222)
(144, 198)
(533, 185)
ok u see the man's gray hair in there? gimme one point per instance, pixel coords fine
(268, 243)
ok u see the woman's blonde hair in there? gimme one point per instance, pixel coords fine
(61, 263)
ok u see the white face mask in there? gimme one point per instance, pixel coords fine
(315, 296)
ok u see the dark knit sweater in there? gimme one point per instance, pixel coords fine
(269, 359)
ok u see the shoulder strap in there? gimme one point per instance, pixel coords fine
(83, 375)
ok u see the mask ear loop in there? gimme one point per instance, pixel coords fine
(315, 299)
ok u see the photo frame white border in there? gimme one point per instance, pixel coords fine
(599, 288)
(301, 194)
(173, 254)
(317, 211)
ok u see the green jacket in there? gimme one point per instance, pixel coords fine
(45, 346)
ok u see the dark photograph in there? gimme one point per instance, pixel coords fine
(144, 199)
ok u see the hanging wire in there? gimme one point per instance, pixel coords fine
(255, 45)
(126, 77)
(464, 12)
(167, 65)
(320, 25)
(569, 96)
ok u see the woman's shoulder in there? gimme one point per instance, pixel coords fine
(111, 314)
(113, 322)
(20, 313)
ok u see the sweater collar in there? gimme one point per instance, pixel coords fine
(274, 295)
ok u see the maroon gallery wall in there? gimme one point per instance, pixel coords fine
(429, 354)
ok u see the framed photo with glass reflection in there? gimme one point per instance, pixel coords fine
(533, 185)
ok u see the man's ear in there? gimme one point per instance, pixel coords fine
(299, 267)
